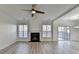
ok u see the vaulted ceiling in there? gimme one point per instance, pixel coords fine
(72, 15)
(52, 11)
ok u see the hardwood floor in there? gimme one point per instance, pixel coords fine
(61, 47)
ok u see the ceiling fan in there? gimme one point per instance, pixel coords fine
(34, 10)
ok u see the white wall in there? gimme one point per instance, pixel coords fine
(7, 34)
(75, 31)
(7, 30)
(75, 34)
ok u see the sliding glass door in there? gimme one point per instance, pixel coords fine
(63, 33)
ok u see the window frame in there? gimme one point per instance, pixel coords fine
(46, 31)
(23, 31)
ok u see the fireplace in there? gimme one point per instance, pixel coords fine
(35, 37)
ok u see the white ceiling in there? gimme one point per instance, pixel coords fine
(52, 11)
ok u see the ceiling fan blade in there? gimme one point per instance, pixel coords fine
(40, 12)
(25, 10)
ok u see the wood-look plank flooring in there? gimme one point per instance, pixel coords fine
(60, 47)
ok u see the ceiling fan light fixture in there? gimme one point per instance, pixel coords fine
(33, 12)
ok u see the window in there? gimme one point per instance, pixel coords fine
(63, 33)
(46, 30)
(22, 31)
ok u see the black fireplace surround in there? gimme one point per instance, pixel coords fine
(35, 37)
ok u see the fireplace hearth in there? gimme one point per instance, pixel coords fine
(35, 37)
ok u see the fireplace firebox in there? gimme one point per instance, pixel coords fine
(35, 37)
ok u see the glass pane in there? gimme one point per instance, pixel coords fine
(68, 31)
(63, 29)
(60, 35)
(60, 38)
(25, 27)
(20, 34)
(48, 27)
(49, 34)
(44, 34)
(59, 28)
(20, 28)
(44, 27)
(25, 34)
